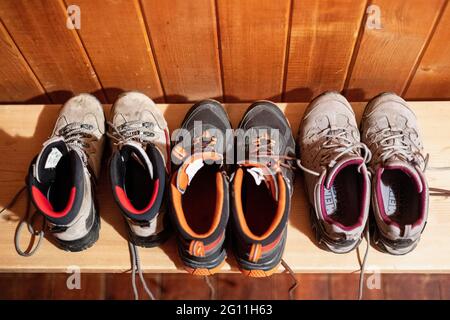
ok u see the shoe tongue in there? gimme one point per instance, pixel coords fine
(410, 170)
(192, 165)
(341, 164)
(52, 152)
(138, 153)
(263, 174)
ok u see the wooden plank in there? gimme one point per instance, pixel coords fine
(91, 287)
(387, 56)
(54, 52)
(25, 127)
(346, 287)
(118, 286)
(185, 286)
(432, 78)
(32, 286)
(323, 35)
(184, 37)
(253, 37)
(411, 287)
(239, 287)
(117, 43)
(17, 81)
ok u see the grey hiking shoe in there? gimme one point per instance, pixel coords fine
(62, 177)
(336, 177)
(139, 166)
(399, 188)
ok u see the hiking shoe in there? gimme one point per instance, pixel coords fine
(262, 188)
(336, 178)
(199, 187)
(139, 166)
(399, 188)
(62, 176)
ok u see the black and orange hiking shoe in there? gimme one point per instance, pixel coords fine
(262, 187)
(199, 186)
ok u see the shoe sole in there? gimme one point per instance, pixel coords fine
(322, 240)
(85, 242)
(203, 268)
(151, 241)
(259, 270)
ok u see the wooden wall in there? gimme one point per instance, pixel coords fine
(231, 50)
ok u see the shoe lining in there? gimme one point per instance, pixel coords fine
(59, 191)
(343, 199)
(258, 205)
(138, 184)
(199, 202)
(400, 198)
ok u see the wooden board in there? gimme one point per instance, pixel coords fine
(387, 56)
(253, 36)
(18, 82)
(115, 38)
(23, 129)
(184, 37)
(53, 51)
(323, 35)
(432, 78)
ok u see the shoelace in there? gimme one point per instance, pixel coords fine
(264, 148)
(29, 221)
(397, 143)
(137, 130)
(136, 269)
(78, 136)
(142, 132)
(338, 142)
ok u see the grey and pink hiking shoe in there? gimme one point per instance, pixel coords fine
(336, 178)
(399, 188)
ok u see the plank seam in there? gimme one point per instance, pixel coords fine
(356, 48)
(27, 64)
(152, 48)
(424, 49)
(286, 55)
(219, 47)
(83, 49)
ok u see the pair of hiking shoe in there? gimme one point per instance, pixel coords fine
(347, 169)
(62, 177)
(243, 175)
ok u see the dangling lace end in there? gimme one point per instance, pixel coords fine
(363, 264)
(30, 223)
(439, 192)
(294, 279)
(136, 269)
(299, 164)
(212, 289)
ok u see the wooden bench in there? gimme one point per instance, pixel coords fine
(23, 129)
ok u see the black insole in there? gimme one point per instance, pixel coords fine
(343, 199)
(200, 199)
(258, 205)
(400, 197)
(138, 184)
(59, 191)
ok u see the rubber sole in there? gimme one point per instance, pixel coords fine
(83, 243)
(324, 242)
(258, 273)
(149, 242)
(207, 267)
